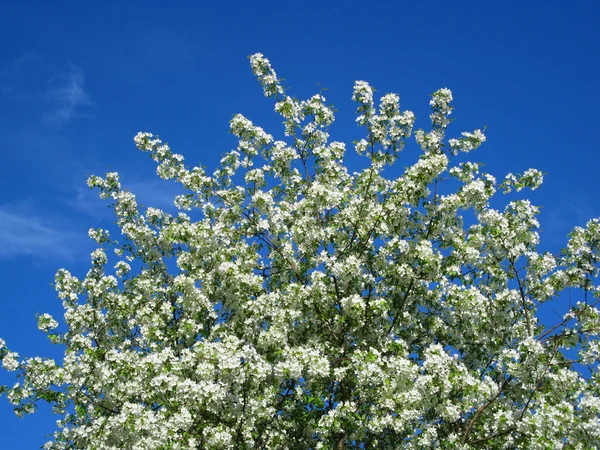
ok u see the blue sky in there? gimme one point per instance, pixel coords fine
(77, 82)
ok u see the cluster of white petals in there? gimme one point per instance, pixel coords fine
(291, 304)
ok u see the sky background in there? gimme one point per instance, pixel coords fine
(78, 81)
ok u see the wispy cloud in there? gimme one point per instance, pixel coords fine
(68, 93)
(24, 232)
(45, 85)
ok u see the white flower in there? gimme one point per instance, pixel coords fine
(10, 362)
(46, 322)
(298, 302)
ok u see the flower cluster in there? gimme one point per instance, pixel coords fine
(304, 306)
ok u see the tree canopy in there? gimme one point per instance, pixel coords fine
(293, 304)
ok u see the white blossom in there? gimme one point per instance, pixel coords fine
(10, 361)
(298, 305)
